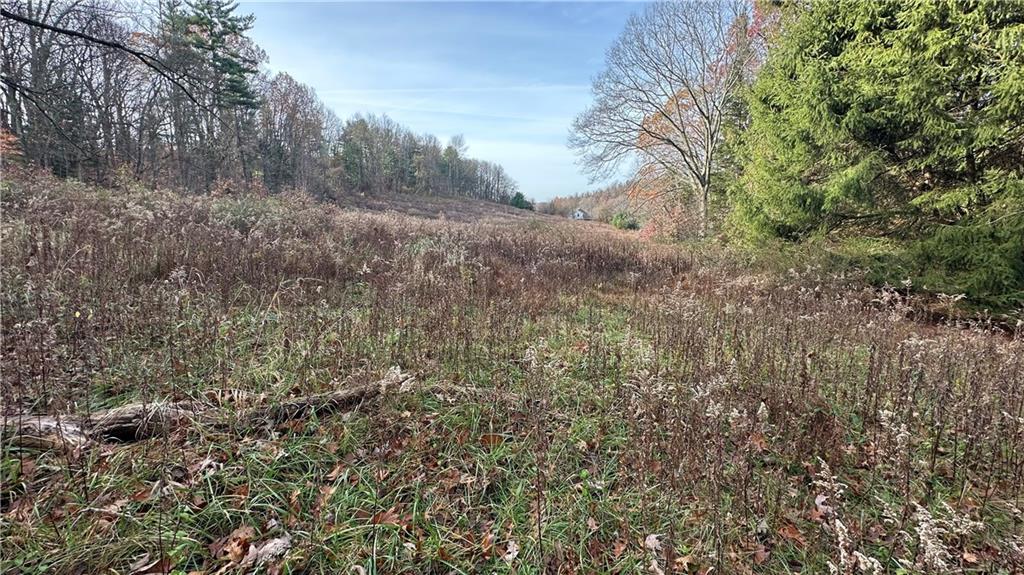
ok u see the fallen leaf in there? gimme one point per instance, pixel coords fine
(491, 440)
(487, 543)
(146, 566)
(757, 440)
(267, 551)
(683, 562)
(511, 552)
(761, 555)
(592, 524)
(792, 534)
(389, 517)
(654, 568)
(235, 546)
(336, 472)
(618, 548)
(970, 557)
(326, 491)
(653, 542)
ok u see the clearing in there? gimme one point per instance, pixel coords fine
(556, 397)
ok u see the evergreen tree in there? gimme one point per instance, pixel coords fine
(897, 119)
(218, 32)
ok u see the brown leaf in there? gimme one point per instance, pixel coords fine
(758, 441)
(487, 543)
(618, 548)
(491, 440)
(267, 551)
(146, 566)
(326, 491)
(792, 534)
(970, 557)
(235, 546)
(389, 517)
(336, 471)
(761, 555)
(816, 515)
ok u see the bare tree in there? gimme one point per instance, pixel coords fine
(663, 95)
(168, 93)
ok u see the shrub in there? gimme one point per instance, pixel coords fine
(520, 201)
(625, 221)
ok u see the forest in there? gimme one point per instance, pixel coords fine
(172, 94)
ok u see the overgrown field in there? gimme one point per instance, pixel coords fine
(583, 402)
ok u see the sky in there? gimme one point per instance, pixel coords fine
(509, 76)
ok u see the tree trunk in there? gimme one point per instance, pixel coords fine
(139, 421)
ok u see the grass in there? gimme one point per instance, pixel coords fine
(585, 401)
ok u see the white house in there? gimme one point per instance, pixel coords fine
(580, 214)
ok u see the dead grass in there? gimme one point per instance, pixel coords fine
(586, 402)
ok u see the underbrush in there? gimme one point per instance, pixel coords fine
(584, 401)
(915, 270)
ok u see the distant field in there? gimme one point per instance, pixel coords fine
(435, 207)
(377, 388)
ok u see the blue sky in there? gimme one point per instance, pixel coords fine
(510, 76)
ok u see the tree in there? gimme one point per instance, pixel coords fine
(625, 221)
(519, 201)
(901, 120)
(662, 96)
(295, 136)
(452, 153)
(173, 98)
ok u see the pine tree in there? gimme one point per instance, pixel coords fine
(897, 119)
(218, 32)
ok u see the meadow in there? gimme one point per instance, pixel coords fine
(554, 397)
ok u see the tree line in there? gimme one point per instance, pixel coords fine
(890, 131)
(172, 94)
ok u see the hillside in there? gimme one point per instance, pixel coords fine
(600, 204)
(463, 210)
(272, 384)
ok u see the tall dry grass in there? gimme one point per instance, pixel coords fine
(592, 402)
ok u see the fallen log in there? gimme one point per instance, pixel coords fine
(138, 421)
(43, 432)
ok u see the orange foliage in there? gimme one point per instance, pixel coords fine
(10, 147)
